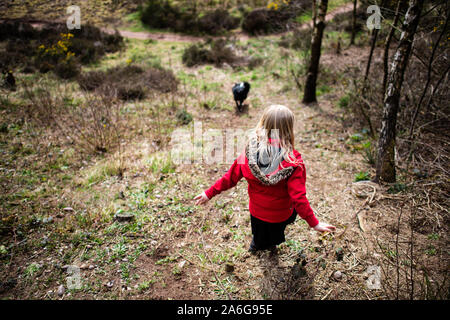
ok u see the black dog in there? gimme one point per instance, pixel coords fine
(9, 80)
(240, 92)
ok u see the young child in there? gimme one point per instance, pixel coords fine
(276, 180)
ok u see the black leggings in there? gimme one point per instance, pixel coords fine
(267, 234)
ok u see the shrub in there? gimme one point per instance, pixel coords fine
(58, 57)
(343, 101)
(221, 53)
(91, 80)
(273, 18)
(93, 122)
(86, 50)
(45, 48)
(128, 82)
(218, 53)
(196, 54)
(130, 91)
(102, 41)
(256, 22)
(90, 43)
(217, 21)
(17, 30)
(263, 21)
(184, 117)
(163, 15)
(16, 51)
(67, 68)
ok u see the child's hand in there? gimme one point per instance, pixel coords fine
(324, 227)
(201, 198)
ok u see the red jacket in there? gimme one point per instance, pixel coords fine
(270, 200)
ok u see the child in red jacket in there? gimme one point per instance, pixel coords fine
(276, 180)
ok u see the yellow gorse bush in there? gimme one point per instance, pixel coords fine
(60, 49)
(275, 4)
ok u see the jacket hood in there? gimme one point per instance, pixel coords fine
(261, 164)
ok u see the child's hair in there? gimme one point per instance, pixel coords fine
(277, 123)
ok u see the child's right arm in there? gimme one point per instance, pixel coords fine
(229, 180)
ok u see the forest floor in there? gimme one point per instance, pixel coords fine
(176, 250)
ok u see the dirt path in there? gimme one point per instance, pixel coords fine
(175, 37)
(161, 36)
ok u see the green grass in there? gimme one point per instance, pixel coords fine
(322, 89)
(161, 163)
(304, 17)
(32, 269)
(119, 250)
(431, 250)
(145, 285)
(140, 53)
(344, 101)
(332, 5)
(433, 236)
(295, 245)
(369, 152)
(102, 171)
(362, 176)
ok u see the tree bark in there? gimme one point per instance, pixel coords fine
(385, 166)
(388, 43)
(352, 39)
(316, 46)
(372, 49)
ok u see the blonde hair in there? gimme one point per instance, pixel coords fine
(277, 122)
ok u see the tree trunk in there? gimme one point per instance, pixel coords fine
(388, 43)
(316, 45)
(372, 48)
(385, 166)
(352, 39)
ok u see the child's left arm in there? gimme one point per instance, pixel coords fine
(297, 191)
